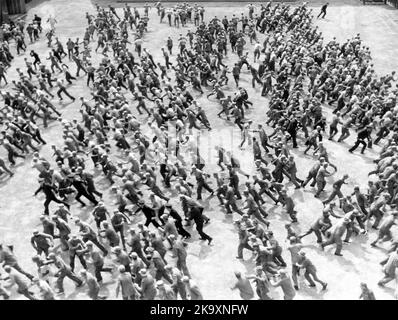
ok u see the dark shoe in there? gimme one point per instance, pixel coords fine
(324, 287)
(338, 254)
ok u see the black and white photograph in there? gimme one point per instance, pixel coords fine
(219, 151)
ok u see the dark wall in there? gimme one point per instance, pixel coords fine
(14, 6)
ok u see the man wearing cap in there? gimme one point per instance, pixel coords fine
(262, 283)
(337, 189)
(81, 189)
(276, 249)
(243, 240)
(122, 258)
(169, 227)
(16, 279)
(294, 248)
(288, 202)
(88, 234)
(165, 292)
(337, 235)
(283, 280)
(230, 201)
(151, 183)
(93, 286)
(11, 150)
(148, 286)
(264, 188)
(351, 226)
(41, 242)
(63, 231)
(366, 293)
(136, 265)
(321, 179)
(118, 219)
(192, 289)
(46, 292)
(100, 214)
(310, 270)
(76, 248)
(134, 242)
(125, 285)
(188, 203)
(376, 209)
(156, 242)
(264, 257)
(149, 213)
(313, 173)
(243, 285)
(49, 192)
(234, 180)
(254, 209)
(63, 271)
(196, 214)
(48, 226)
(130, 186)
(318, 226)
(362, 134)
(109, 234)
(159, 264)
(8, 258)
(385, 228)
(121, 200)
(177, 221)
(181, 254)
(62, 212)
(361, 200)
(97, 259)
(201, 182)
(389, 268)
(177, 284)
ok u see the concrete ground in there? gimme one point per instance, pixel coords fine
(212, 267)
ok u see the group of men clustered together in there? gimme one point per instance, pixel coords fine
(152, 161)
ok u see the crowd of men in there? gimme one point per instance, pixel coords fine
(144, 112)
